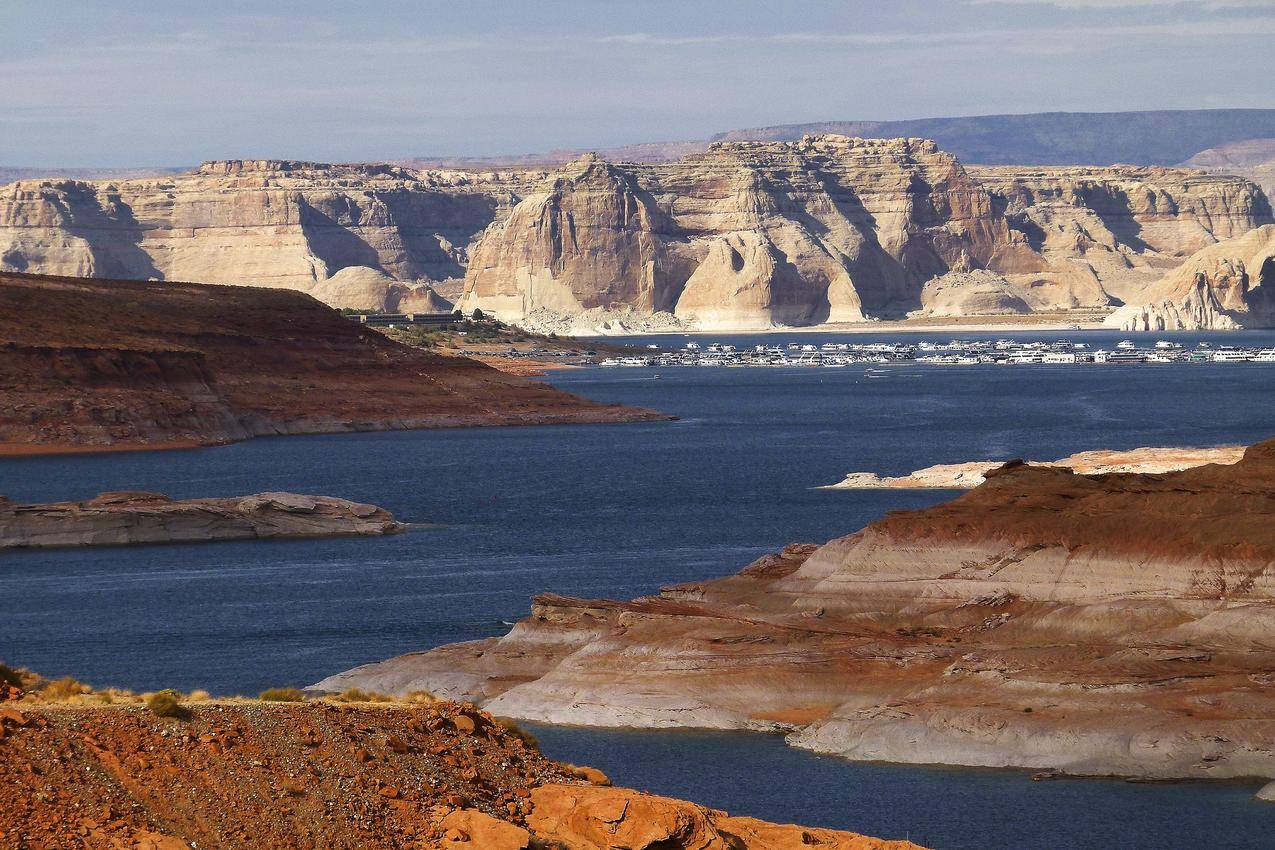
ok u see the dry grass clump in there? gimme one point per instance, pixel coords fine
(360, 695)
(518, 732)
(166, 703)
(419, 698)
(282, 695)
(62, 690)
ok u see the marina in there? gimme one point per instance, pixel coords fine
(1001, 352)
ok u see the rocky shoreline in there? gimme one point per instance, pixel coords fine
(1085, 624)
(970, 474)
(127, 518)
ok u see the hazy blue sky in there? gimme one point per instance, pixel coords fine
(118, 82)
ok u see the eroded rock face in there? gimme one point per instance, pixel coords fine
(745, 235)
(1116, 229)
(116, 519)
(1222, 287)
(1093, 624)
(259, 223)
(752, 235)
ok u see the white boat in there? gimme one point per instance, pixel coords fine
(1230, 354)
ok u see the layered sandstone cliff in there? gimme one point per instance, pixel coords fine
(123, 518)
(1093, 624)
(743, 235)
(270, 223)
(278, 776)
(1222, 287)
(87, 364)
(832, 229)
(1118, 228)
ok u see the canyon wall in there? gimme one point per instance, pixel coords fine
(745, 235)
(266, 223)
(832, 229)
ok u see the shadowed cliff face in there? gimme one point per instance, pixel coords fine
(87, 363)
(1095, 624)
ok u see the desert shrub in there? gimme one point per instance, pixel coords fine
(165, 703)
(282, 695)
(419, 698)
(518, 732)
(200, 696)
(360, 695)
(63, 689)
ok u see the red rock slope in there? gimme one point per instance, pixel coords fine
(88, 364)
(285, 776)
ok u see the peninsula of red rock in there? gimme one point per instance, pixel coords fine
(1089, 624)
(742, 235)
(104, 364)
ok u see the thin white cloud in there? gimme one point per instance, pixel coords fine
(1055, 37)
(1129, 4)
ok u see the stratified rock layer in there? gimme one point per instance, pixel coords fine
(833, 229)
(240, 775)
(970, 474)
(742, 235)
(109, 364)
(1093, 624)
(274, 223)
(1225, 286)
(115, 519)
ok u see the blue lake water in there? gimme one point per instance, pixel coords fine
(618, 511)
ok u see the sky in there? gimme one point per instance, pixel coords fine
(134, 83)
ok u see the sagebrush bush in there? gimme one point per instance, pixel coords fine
(166, 703)
(282, 695)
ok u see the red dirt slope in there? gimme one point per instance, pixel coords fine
(90, 364)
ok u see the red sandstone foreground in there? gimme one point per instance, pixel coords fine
(1093, 624)
(102, 364)
(283, 776)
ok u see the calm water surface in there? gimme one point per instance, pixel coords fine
(618, 511)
